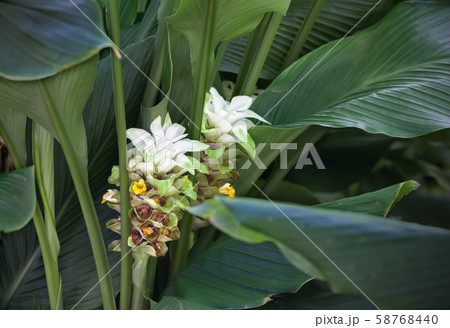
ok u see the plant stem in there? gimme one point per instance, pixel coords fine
(140, 272)
(181, 250)
(50, 264)
(311, 135)
(80, 179)
(302, 35)
(121, 128)
(257, 50)
(140, 301)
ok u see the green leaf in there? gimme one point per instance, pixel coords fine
(397, 265)
(178, 78)
(149, 23)
(29, 98)
(230, 19)
(335, 19)
(17, 199)
(128, 12)
(235, 275)
(77, 270)
(42, 38)
(390, 79)
(43, 159)
(377, 203)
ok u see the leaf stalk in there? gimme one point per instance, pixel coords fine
(121, 128)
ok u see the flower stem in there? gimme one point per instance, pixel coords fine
(257, 50)
(79, 176)
(121, 128)
(302, 35)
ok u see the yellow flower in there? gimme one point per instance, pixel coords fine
(227, 190)
(165, 232)
(147, 231)
(139, 187)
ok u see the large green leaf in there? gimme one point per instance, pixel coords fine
(212, 278)
(381, 80)
(392, 78)
(235, 275)
(30, 99)
(25, 279)
(335, 19)
(40, 38)
(377, 203)
(17, 199)
(395, 264)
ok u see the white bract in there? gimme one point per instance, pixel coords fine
(227, 122)
(163, 150)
